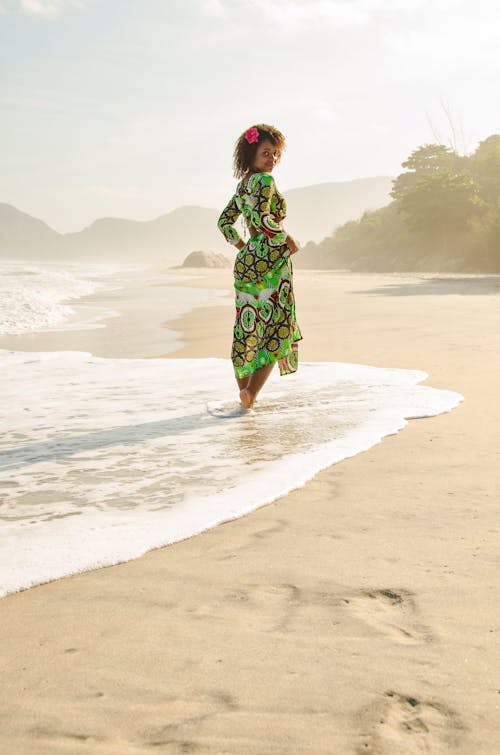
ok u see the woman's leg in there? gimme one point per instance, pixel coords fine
(249, 393)
(243, 382)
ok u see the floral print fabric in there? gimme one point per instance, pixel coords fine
(265, 328)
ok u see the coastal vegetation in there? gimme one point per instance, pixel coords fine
(445, 216)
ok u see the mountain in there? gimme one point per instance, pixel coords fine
(168, 238)
(313, 212)
(20, 234)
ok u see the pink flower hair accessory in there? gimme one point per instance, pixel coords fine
(252, 135)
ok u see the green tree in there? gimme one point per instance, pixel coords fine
(445, 216)
(427, 160)
(440, 205)
(485, 238)
(485, 167)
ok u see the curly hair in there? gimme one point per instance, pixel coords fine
(244, 152)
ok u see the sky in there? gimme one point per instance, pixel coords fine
(121, 108)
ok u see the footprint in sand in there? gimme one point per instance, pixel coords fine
(391, 612)
(227, 409)
(397, 724)
(264, 608)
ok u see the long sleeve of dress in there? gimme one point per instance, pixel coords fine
(228, 217)
(262, 189)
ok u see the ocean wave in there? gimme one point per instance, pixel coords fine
(105, 459)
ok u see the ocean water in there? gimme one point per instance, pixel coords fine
(36, 296)
(103, 459)
(41, 297)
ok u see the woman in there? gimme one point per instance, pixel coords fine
(265, 329)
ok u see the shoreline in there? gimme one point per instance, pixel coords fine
(127, 328)
(302, 625)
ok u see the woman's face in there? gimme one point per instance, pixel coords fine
(266, 157)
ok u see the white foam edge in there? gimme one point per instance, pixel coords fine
(138, 533)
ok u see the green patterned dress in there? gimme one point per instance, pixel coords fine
(265, 329)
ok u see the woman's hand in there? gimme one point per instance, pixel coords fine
(291, 244)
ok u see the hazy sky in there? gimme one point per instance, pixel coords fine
(128, 109)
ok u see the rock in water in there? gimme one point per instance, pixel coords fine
(206, 259)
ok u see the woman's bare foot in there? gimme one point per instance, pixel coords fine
(246, 398)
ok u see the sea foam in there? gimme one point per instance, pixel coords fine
(36, 296)
(102, 459)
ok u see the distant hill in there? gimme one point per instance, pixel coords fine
(20, 234)
(313, 212)
(168, 238)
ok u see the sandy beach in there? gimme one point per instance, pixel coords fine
(358, 614)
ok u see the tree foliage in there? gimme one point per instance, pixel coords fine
(445, 216)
